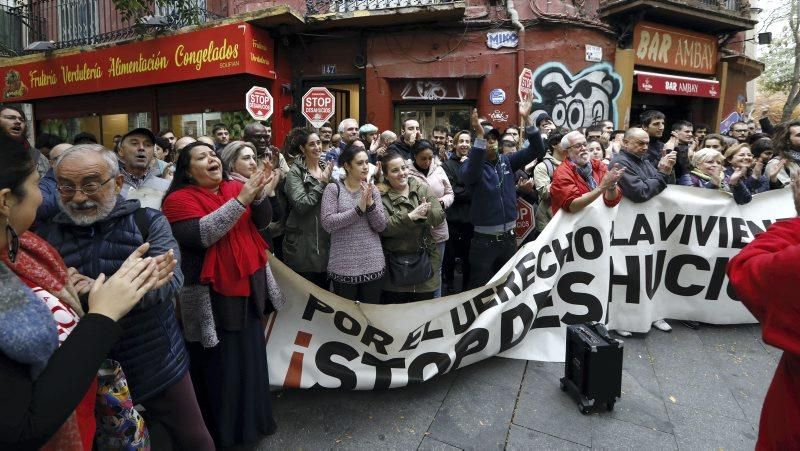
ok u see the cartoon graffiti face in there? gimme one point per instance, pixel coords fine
(14, 86)
(576, 101)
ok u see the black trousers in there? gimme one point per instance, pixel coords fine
(457, 247)
(395, 297)
(366, 292)
(319, 279)
(487, 254)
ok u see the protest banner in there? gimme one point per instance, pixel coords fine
(625, 266)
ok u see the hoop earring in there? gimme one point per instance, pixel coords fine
(13, 242)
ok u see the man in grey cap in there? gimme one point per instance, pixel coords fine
(136, 153)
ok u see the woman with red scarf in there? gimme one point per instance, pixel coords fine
(224, 297)
(50, 350)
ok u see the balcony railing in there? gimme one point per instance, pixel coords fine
(347, 6)
(710, 16)
(71, 23)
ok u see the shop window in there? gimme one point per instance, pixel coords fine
(453, 116)
(104, 128)
(198, 124)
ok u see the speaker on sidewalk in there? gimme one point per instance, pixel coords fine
(593, 367)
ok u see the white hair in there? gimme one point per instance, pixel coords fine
(341, 124)
(567, 138)
(110, 158)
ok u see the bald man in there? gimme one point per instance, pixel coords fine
(642, 181)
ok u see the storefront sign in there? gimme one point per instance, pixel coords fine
(504, 38)
(210, 52)
(318, 105)
(497, 96)
(258, 102)
(525, 88)
(680, 86)
(675, 49)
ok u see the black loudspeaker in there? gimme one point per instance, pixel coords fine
(593, 367)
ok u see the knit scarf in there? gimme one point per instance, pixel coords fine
(794, 155)
(228, 263)
(585, 172)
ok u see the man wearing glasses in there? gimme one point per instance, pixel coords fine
(94, 232)
(739, 131)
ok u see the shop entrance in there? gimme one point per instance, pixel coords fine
(348, 97)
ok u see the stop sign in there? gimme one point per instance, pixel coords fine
(258, 102)
(318, 106)
(525, 220)
(525, 89)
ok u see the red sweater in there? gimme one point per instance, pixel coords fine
(568, 185)
(764, 275)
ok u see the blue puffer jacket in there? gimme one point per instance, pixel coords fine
(494, 191)
(151, 350)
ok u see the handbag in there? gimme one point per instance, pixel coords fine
(119, 425)
(409, 268)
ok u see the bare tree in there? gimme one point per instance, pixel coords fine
(782, 73)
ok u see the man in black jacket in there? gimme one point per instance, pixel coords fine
(653, 123)
(458, 222)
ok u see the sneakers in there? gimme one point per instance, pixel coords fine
(662, 325)
(623, 333)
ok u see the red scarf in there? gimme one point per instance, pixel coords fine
(228, 263)
(38, 264)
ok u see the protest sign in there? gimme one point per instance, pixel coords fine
(625, 266)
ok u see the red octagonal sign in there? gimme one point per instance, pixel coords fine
(525, 87)
(318, 106)
(258, 102)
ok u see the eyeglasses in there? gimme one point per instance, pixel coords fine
(578, 145)
(13, 118)
(741, 130)
(509, 144)
(87, 189)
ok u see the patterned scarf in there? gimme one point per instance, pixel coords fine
(794, 155)
(585, 172)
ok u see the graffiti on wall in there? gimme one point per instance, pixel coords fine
(433, 90)
(574, 101)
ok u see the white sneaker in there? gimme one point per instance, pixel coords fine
(623, 333)
(662, 325)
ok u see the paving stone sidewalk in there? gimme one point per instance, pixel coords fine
(689, 389)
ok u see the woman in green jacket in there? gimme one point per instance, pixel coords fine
(306, 244)
(411, 212)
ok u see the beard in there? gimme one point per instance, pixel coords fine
(77, 211)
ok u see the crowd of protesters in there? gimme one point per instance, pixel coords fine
(156, 253)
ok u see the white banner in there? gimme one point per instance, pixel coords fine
(626, 266)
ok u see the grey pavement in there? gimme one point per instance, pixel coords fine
(689, 389)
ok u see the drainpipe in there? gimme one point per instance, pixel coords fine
(514, 16)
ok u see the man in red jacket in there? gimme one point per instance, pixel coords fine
(764, 276)
(579, 180)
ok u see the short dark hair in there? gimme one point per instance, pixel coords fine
(164, 132)
(737, 123)
(756, 136)
(409, 119)
(494, 132)
(760, 146)
(17, 166)
(617, 132)
(594, 128)
(439, 128)
(554, 140)
(349, 152)
(421, 145)
(163, 143)
(327, 124)
(648, 116)
(84, 138)
(47, 140)
(218, 127)
(681, 124)
(701, 125)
